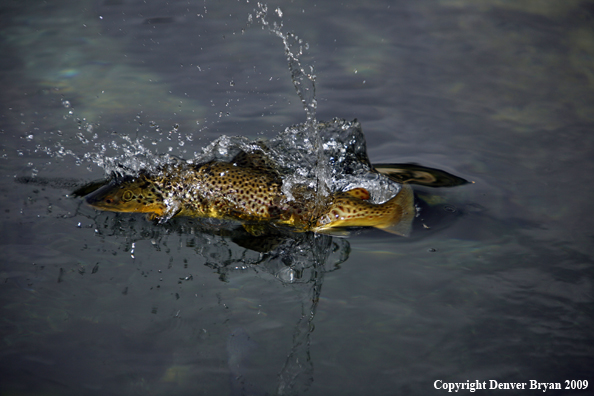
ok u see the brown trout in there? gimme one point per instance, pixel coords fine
(249, 192)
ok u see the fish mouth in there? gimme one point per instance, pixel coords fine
(108, 198)
(100, 199)
(103, 197)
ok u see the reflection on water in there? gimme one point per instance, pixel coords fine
(291, 258)
(498, 92)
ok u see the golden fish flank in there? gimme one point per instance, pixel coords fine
(248, 194)
(351, 209)
(215, 189)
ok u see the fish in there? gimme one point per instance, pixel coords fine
(248, 189)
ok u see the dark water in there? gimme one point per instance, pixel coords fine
(498, 288)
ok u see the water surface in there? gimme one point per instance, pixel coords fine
(499, 287)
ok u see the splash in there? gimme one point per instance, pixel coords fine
(339, 161)
(303, 78)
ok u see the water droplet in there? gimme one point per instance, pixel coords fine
(432, 250)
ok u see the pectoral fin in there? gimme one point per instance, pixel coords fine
(335, 232)
(401, 223)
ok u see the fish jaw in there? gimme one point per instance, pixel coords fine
(394, 216)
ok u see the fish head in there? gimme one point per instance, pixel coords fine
(353, 209)
(129, 194)
(348, 209)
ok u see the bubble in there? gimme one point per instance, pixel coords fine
(287, 275)
(450, 208)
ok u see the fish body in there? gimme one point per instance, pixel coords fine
(250, 193)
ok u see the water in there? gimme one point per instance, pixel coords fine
(498, 287)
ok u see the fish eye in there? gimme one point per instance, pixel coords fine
(127, 196)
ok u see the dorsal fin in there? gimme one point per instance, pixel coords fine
(255, 159)
(242, 159)
(359, 192)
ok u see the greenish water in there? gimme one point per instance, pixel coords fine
(498, 288)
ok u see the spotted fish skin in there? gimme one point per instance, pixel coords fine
(352, 209)
(229, 191)
(249, 193)
(216, 189)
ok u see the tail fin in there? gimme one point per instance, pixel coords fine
(417, 174)
(404, 212)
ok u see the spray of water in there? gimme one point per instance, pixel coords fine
(303, 78)
(338, 143)
(322, 157)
